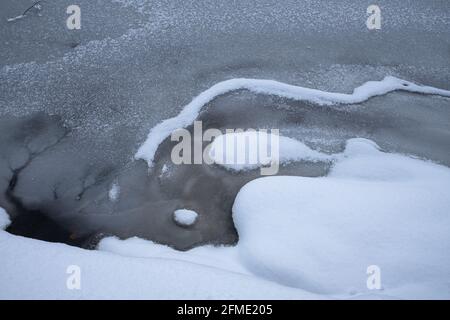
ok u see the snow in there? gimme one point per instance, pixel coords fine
(321, 234)
(32, 269)
(167, 58)
(185, 217)
(16, 18)
(299, 238)
(220, 257)
(247, 150)
(114, 192)
(190, 112)
(373, 208)
(165, 171)
(4, 219)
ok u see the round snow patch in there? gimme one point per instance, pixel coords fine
(185, 217)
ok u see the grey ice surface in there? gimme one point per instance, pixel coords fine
(76, 105)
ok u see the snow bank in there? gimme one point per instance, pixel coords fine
(185, 217)
(299, 238)
(190, 112)
(240, 151)
(32, 269)
(4, 219)
(321, 234)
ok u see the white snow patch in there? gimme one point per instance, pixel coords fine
(190, 112)
(185, 217)
(4, 219)
(16, 18)
(114, 192)
(165, 171)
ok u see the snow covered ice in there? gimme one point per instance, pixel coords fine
(191, 111)
(87, 179)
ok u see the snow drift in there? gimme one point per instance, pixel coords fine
(374, 208)
(299, 238)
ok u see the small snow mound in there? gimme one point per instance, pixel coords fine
(362, 161)
(247, 150)
(185, 217)
(357, 146)
(4, 219)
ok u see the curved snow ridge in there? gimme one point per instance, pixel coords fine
(190, 112)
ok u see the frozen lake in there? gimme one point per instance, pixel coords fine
(76, 105)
